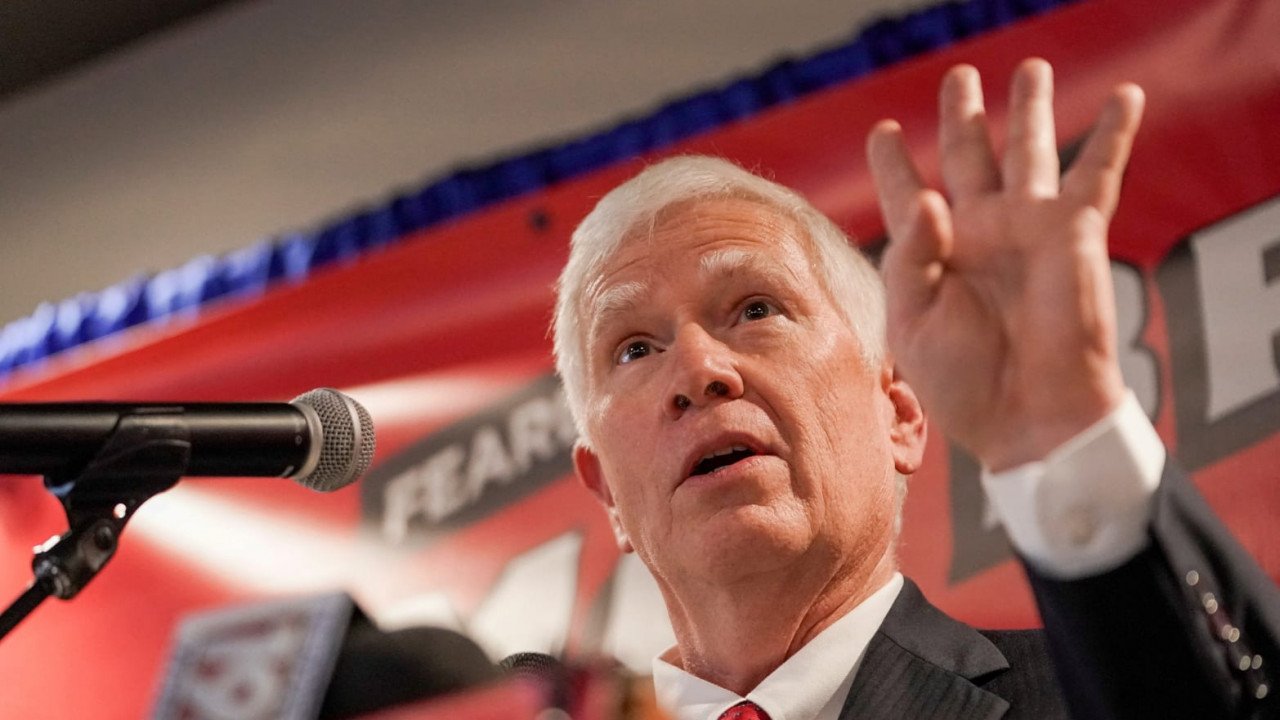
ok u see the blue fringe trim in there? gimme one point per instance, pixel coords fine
(87, 317)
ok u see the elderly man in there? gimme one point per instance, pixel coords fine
(748, 432)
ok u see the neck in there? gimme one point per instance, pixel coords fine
(735, 635)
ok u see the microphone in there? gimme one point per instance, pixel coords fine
(599, 688)
(312, 658)
(323, 439)
(378, 669)
(545, 671)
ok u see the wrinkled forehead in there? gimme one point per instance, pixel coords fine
(734, 214)
(651, 235)
(744, 236)
(610, 303)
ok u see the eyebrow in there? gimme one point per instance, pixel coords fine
(731, 261)
(610, 305)
(722, 263)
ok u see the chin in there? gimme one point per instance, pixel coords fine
(750, 539)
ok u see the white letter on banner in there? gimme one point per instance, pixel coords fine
(638, 628)
(488, 462)
(1241, 308)
(529, 428)
(432, 490)
(531, 605)
(1137, 364)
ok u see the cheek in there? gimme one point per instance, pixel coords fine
(847, 421)
(599, 407)
(645, 516)
(622, 425)
(627, 446)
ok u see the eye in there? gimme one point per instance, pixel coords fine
(634, 350)
(757, 310)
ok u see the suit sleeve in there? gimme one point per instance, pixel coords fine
(1189, 627)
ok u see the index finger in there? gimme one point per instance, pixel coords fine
(1094, 178)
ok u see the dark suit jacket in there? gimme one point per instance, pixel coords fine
(1188, 629)
(924, 665)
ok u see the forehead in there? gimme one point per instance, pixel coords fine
(715, 234)
(699, 243)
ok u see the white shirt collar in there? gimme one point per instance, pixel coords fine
(810, 685)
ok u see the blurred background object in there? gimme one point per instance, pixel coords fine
(137, 135)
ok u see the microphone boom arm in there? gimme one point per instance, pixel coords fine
(145, 454)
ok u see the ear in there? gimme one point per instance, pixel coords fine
(587, 465)
(908, 428)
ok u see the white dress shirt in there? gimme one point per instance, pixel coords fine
(810, 685)
(1083, 510)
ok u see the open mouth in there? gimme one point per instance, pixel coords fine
(721, 458)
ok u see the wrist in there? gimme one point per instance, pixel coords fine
(1031, 436)
(1086, 508)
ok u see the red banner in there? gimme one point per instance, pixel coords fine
(470, 516)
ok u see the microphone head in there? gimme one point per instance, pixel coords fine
(345, 444)
(533, 664)
(544, 670)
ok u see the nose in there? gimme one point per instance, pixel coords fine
(703, 372)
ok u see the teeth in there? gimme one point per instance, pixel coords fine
(726, 451)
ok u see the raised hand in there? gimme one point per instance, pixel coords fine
(1000, 307)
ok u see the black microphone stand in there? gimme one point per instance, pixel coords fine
(146, 454)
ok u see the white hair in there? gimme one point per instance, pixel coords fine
(847, 276)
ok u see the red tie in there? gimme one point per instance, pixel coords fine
(744, 710)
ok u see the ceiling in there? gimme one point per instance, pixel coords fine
(135, 136)
(40, 39)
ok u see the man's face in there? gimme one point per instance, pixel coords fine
(735, 424)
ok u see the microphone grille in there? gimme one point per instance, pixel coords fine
(531, 663)
(346, 439)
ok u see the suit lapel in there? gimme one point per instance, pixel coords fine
(921, 664)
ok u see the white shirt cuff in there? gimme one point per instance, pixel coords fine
(1084, 509)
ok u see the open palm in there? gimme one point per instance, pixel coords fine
(1000, 300)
